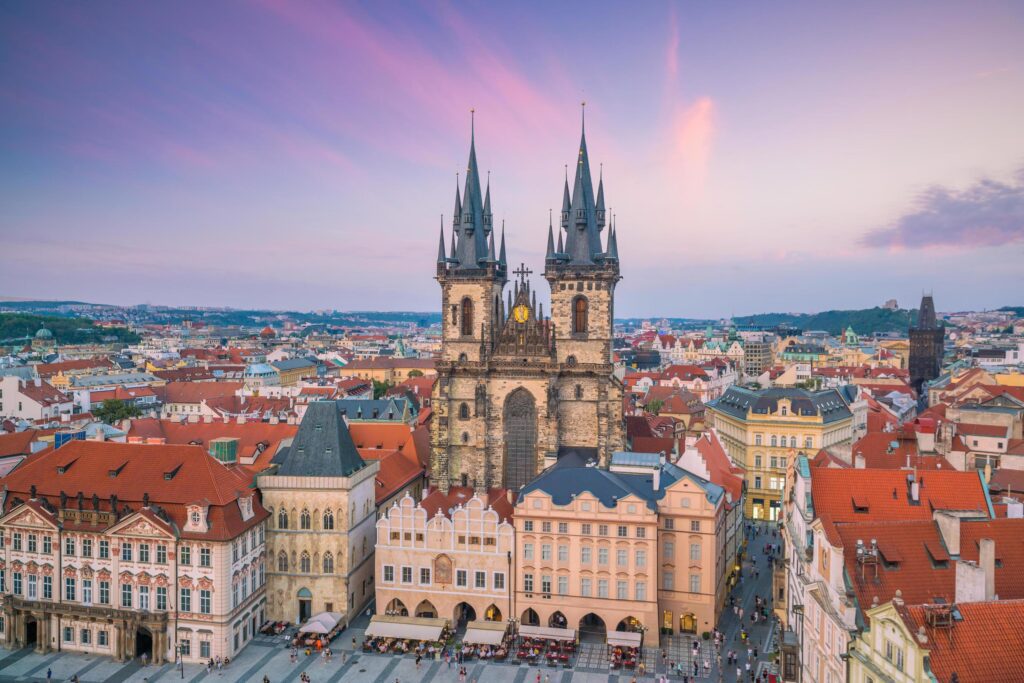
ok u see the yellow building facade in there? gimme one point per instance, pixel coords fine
(764, 430)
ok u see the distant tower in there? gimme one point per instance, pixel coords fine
(926, 345)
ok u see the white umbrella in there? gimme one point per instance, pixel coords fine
(314, 626)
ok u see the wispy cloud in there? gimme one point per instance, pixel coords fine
(989, 213)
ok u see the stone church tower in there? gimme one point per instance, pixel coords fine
(516, 388)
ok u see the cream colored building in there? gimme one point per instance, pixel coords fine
(640, 546)
(764, 430)
(320, 494)
(448, 556)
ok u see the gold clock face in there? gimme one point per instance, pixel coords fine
(521, 313)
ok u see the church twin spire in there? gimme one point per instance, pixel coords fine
(583, 217)
(473, 240)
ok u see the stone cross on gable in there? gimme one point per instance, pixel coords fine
(523, 272)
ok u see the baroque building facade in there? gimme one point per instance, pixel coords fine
(515, 387)
(110, 570)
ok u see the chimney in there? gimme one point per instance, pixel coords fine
(656, 478)
(858, 461)
(987, 560)
(949, 527)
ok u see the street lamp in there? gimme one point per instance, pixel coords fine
(181, 660)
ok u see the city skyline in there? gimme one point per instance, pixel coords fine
(300, 157)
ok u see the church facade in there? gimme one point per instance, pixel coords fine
(515, 387)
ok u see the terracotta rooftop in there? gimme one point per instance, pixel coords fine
(196, 392)
(459, 495)
(173, 476)
(986, 645)
(884, 494)
(18, 443)
(47, 370)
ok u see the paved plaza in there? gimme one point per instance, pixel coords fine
(266, 656)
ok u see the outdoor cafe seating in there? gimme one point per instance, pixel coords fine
(555, 646)
(388, 633)
(623, 649)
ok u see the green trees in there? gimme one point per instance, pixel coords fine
(114, 409)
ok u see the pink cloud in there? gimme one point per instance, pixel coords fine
(692, 132)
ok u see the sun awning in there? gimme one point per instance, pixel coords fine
(407, 628)
(484, 632)
(321, 623)
(624, 639)
(547, 632)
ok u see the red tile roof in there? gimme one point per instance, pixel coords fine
(981, 430)
(196, 392)
(906, 566)
(250, 435)
(48, 370)
(18, 443)
(877, 449)
(653, 444)
(1008, 535)
(198, 479)
(886, 495)
(121, 394)
(720, 467)
(436, 501)
(44, 393)
(985, 646)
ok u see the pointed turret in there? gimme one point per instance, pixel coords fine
(613, 245)
(491, 256)
(457, 215)
(487, 204)
(566, 201)
(440, 243)
(550, 254)
(600, 200)
(501, 254)
(561, 249)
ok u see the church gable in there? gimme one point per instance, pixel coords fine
(525, 332)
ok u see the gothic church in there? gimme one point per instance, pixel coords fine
(515, 388)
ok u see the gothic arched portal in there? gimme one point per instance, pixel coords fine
(520, 438)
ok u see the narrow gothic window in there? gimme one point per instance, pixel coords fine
(455, 314)
(579, 315)
(304, 563)
(282, 520)
(304, 520)
(579, 392)
(465, 437)
(467, 317)
(282, 562)
(328, 520)
(328, 563)
(570, 361)
(464, 411)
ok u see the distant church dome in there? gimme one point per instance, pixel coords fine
(44, 333)
(268, 332)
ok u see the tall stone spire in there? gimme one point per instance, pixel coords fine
(487, 205)
(472, 247)
(583, 243)
(600, 199)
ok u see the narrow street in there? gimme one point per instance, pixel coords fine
(759, 635)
